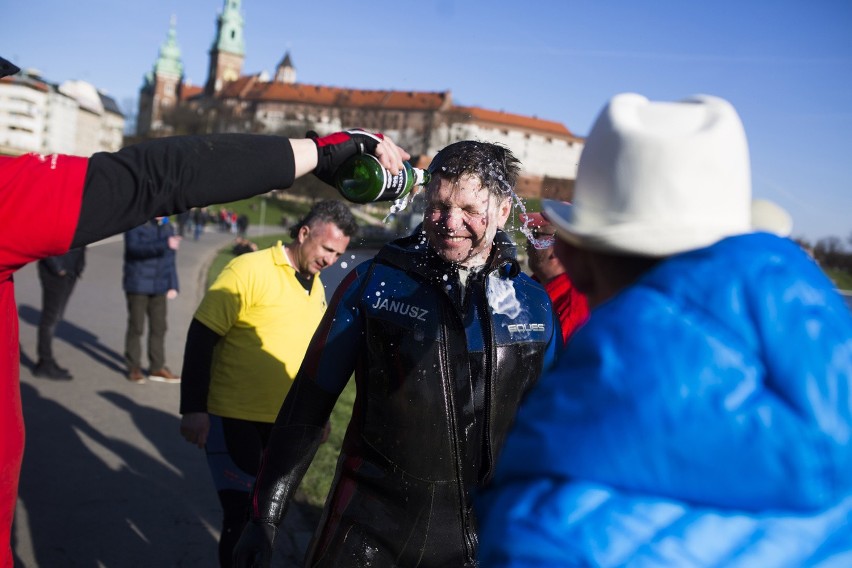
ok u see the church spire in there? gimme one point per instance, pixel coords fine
(168, 60)
(285, 72)
(229, 32)
(228, 50)
(162, 88)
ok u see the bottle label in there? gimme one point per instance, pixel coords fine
(393, 184)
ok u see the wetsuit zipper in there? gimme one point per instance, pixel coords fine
(449, 393)
(490, 357)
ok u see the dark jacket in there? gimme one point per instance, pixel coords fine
(68, 265)
(149, 263)
(438, 379)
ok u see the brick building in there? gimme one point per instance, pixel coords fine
(421, 121)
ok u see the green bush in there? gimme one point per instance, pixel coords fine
(267, 208)
(225, 255)
(841, 278)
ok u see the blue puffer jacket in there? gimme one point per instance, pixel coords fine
(149, 263)
(702, 417)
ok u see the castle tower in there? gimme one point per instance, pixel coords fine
(161, 87)
(228, 51)
(285, 72)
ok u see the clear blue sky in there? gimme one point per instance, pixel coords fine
(785, 65)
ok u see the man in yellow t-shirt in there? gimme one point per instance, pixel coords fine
(244, 347)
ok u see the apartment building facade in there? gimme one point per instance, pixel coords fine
(47, 118)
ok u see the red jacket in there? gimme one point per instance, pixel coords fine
(571, 306)
(40, 200)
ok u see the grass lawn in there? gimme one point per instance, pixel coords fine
(317, 480)
(225, 256)
(841, 279)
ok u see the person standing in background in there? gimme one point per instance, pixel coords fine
(244, 347)
(569, 303)
(242, 224)
(183, 219)
(199, 219)
(150, 279)
(58, 275)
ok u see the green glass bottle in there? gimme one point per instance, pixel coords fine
(362, 179)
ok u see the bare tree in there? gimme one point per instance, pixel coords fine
(829, 253)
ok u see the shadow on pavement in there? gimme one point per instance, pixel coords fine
(92, 499)
(80, 338)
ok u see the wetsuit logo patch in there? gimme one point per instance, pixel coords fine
(400, 308)
(525, 327)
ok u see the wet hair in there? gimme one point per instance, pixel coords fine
(328, 211)
(495, 165)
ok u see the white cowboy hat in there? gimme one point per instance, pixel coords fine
(659, 178)
(770, 217)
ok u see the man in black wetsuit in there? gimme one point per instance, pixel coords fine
(444, 334)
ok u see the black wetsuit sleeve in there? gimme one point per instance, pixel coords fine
(298, 427)
(294, 441)
(197, 364)
(170, 175)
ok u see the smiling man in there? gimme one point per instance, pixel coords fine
(445, 335)
(243, 349)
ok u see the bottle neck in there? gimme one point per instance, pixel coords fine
(421, 176)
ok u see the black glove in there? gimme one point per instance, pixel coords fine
(254, 549)
(334, 149)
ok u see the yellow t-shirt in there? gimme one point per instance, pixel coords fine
(266, 319)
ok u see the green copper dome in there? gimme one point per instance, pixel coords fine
(168, 61)
(229, 36)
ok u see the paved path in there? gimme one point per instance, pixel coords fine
(107, 479)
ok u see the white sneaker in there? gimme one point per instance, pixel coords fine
(163, 376)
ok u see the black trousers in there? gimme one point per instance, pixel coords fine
(234, 451)
(55, 291)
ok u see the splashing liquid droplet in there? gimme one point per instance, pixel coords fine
(400, 204)
(537, 243)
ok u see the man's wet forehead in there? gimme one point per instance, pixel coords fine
(468, 187)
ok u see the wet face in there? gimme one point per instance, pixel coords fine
(317, 247)
(462, 218)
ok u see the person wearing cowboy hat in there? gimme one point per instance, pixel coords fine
(703, 414)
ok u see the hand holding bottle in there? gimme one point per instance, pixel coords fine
(363, 179)
(336, 148)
